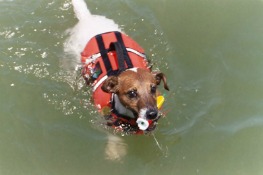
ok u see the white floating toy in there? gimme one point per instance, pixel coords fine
(143, 124)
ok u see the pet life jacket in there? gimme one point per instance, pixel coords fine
(110, 54)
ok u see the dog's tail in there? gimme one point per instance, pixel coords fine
(80, 8)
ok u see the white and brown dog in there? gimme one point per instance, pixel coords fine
(124, 88)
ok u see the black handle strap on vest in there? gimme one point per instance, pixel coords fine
(104, 53)
(121, 52)
(116, 46)
(125, 52)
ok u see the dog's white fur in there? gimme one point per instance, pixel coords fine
(87, 27)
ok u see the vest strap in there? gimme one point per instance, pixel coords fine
(104, 53)
(121, 52)
(125, 52)
(118, 48)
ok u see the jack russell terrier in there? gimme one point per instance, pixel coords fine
(124, 87)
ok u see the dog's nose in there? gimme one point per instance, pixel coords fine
(151, 113)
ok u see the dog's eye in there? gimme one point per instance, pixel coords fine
(153, 89)
(132, 94)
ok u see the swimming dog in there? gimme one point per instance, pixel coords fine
(124, 87)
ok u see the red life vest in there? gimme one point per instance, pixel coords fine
(100, 60)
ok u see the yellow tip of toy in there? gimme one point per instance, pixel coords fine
(160, 101)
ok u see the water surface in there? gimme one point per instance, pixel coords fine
(211, 52)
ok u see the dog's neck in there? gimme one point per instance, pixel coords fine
(120, 108)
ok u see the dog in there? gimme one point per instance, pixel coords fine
(124, 86)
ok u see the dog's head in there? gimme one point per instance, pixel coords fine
(137, 91)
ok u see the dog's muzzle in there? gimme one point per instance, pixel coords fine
(148, 119)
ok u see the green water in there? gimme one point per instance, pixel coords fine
(211, 52)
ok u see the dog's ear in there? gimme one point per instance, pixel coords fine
(110, 84)
(159, 76)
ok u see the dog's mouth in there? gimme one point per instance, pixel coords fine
(147, 119)
(147, 125)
